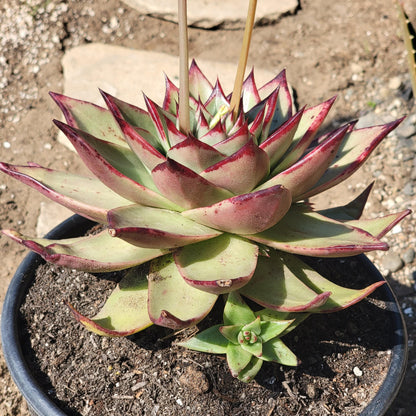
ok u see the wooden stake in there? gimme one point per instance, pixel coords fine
(239, 78)
(184, 123)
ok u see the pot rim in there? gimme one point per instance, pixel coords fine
(41, 403)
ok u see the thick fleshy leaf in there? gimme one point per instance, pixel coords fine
(134, 116)
(175, 136)
(250, 94)
(270, 116)
(300, 177)
(275, 350)
(199, 86)
(194, 154)
(285, 102)
(341, 297)
(254, 326)
(245, 214)
(265, 115)
(275, 286)
(121, 158)
(351, 211)
(323, 137)
(250, 370)
(379, 227)
(279, 141)
(216, 100)
(168, 293)
(237, 359)
(240, 172)
(236, 311)
(352, 153)
(272, 329)
(148, 155)
(215, 135)
(156, 228)
(231, 333)
(90, 118)
(270, 315)
(309, 233)
(185, 187)
(235, 124)
(202, 116)
(211, 341)
(83, 195)
(255, 349)
(124, 312)
(257, 124)
(218, 265)
(312, 119)
(110, 176)
(156, 114)
(97, 253)
(170, 102)
(234, 142)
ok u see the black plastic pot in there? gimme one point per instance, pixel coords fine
(39, 402)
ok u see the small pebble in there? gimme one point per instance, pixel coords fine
(357, 372)
(395, 83)
(194, 380)
(138, 385)
(397, 229)
(408, 189)
(311, 391)
(392, 262)
(408, 256)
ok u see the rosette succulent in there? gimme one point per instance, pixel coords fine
(220, 207)
(207, 209)
(247, 340)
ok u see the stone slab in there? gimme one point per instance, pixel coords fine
(208, 14)
(50, 215)
(126, 73)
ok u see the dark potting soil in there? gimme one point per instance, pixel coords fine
(344, 359)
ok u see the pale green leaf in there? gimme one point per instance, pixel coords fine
(125, 311)
(172, 302)
(218, 265)
(96, 253)
(237, 359)
(275, 350)
(211, 341)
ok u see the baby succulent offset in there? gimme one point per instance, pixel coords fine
(247, 340)
(221, 209)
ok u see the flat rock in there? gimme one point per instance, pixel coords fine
(229, 14)
(51, 214)
(126, 73)
(392, 262)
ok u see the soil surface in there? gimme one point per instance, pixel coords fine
(343, 358)
(351, 49)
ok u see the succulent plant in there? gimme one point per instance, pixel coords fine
(212, 211)
(218, 207)
(247, 339)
